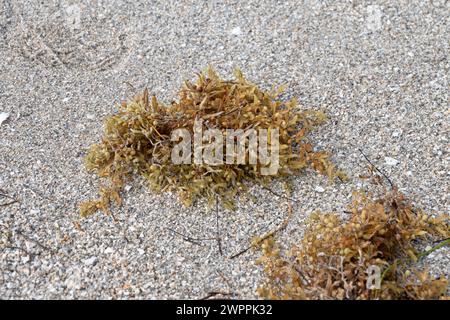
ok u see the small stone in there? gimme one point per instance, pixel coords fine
(236, 31)
(35, 211)
(390, 161)
(396, 134)
(73, 282)
(127, 188)
(90, 261)
(3, 117)
(319, 189)
(90, 116)
(109, 250)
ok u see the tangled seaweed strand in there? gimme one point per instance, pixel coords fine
(137, 140)
(333, 259)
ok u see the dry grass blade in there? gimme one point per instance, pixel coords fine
(7, 196)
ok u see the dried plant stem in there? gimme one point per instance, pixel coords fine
(379, 171)
(441, 244)
(191, 239)
(268, 235)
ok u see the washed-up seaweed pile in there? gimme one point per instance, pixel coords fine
(137, 141)
(369, 256)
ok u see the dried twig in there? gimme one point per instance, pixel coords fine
(268, 235)
(39, 244)
(227, 282)
(5, 195)
(130, 85)
(216, 293)
(219, 240)
(191, 239)
(279, 195)
(381, 172)
(19, 248)
(301, 274)
(8, 203)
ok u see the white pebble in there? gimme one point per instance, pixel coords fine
(3, 117)
(109, 250)
(90, 261)
(390, 161)
(236, 31)
(73, 282)
(319, 189)
(396, 134)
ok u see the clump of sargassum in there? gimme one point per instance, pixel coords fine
(137, 140)
(334, 258)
